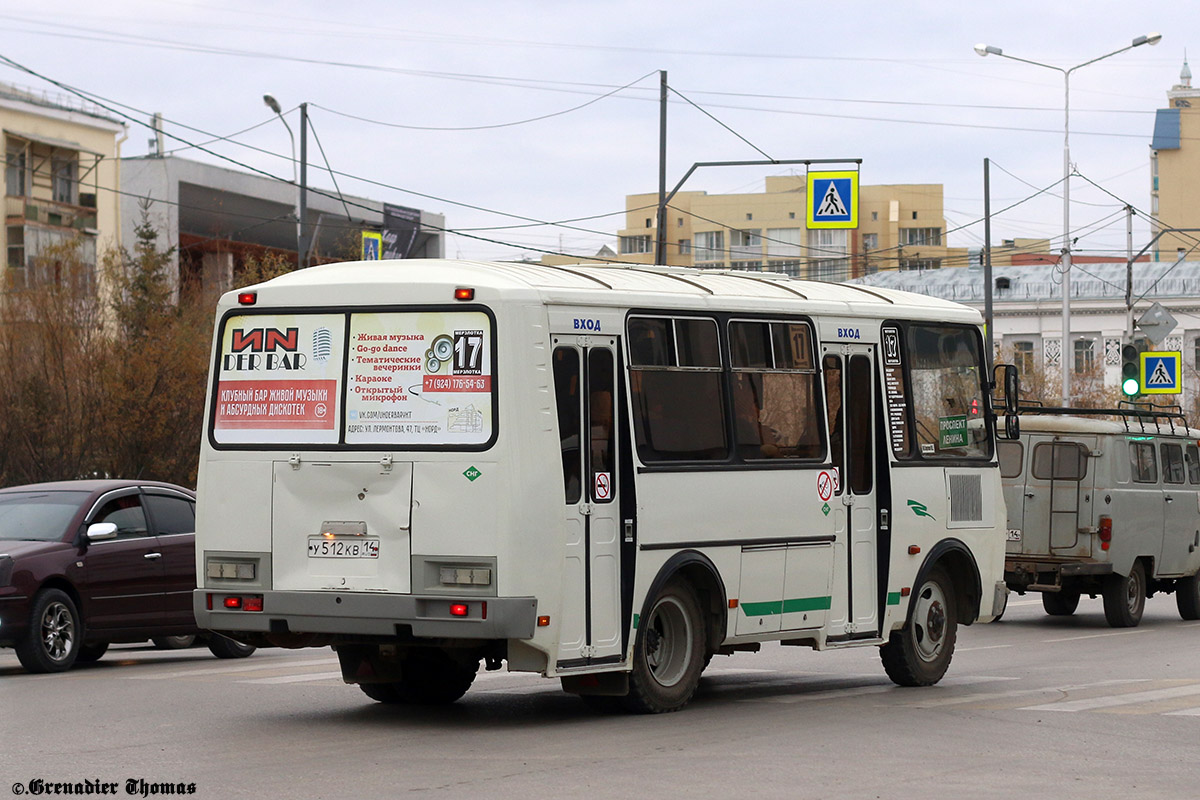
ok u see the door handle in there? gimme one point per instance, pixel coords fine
(152, 556)
(1168, 499)
(1030, 495)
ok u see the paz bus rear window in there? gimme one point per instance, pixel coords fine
(420, 379)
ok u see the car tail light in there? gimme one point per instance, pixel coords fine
(1105, 532)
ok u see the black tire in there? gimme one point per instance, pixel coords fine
(1060, 604)
(90, 653)
(224, 647)
(173, 642)
(668, 654)
(1125, 597)
(919, 653)
(52, 644)
(428, 678)
(1187, 596)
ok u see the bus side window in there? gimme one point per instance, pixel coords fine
(566, 395)
(832, 367)
(600, 423)
(1192, 456)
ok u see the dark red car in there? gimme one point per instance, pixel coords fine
(84, 564)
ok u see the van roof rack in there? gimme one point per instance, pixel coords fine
(1144, 417)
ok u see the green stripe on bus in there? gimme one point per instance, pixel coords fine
(772, 607)
(893, 598)
(636, 619)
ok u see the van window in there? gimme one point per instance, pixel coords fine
(1172, 463)
(1141, 459)
(1060, 461)
(1011, 454)
(1192, 456)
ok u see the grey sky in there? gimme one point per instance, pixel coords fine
(895, 84)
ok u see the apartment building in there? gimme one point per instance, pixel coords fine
(900, 227)
(61, 176)
(1174, 165)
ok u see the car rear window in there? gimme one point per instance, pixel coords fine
(38, 516)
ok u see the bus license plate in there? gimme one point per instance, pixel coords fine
(321, 547)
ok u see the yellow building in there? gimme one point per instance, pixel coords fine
(899, 227)
(61, 174)
(1174, 165)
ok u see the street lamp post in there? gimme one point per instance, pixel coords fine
(273, 104)
(988, 50)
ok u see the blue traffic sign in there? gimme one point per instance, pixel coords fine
(1160, 372)
(832, 199)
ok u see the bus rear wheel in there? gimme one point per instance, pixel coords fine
(429, 678)
(668, 655)
(919, 653)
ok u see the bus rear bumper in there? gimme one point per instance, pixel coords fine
(360, 614)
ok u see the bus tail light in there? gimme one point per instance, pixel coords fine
(1105, 532)
(459, 609)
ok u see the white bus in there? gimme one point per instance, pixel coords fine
(603, 474)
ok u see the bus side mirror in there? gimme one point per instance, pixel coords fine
(1005, 375)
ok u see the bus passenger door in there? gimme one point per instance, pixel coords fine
(585, 394)
(850, 373)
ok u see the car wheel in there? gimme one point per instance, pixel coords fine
(224, 647)
(1125, 597)
(173, 642)
(1187, 596)
(919, 653)
(52, 644)
(91, 652)
(1060, 604)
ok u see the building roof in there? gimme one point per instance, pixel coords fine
(1158, 280)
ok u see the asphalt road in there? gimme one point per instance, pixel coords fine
(1033, 706)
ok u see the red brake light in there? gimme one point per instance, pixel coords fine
(247, 298)
(458, 609)
(464, 294)
(253, 604)
(1105, 532)
(233, 602)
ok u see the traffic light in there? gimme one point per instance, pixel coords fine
(1131, 367)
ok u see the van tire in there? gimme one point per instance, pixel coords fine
(668, 654)
(1125, 597)
(919, 653)
(1187, 596)
(1060, 604)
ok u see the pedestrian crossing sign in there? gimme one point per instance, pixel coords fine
(1160, 372)
(372, 246)
(832, 200)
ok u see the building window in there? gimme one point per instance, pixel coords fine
(1085, 356)
(1196, 353)
(710, 245)
(919, 264)
(1023, 356)
(874, 216)
(679, 222)
(829, 249)
(749, 216)
(744, 245)
(63, 178)
(791, 215)
(634, 244)
(785, 243)
(14, 173)
(870, 241)
(685, 247)
(920, 236)
(16, 246)
(648, 222)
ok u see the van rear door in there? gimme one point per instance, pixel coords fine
(1058, 497)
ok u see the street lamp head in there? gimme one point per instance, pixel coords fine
(987, 49)
(272, 104)
(1150, 39)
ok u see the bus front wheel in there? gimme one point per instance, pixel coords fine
(919, 653)
(668, 655)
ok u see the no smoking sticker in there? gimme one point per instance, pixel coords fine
(603, 486)
(826, 481)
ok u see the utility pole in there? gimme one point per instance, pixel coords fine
(990, 339)
(1129, 274)
(660, 239)
(305, 246)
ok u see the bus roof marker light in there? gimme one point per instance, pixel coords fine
(247, 298)
(462, 293)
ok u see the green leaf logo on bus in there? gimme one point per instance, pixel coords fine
(921, 510)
